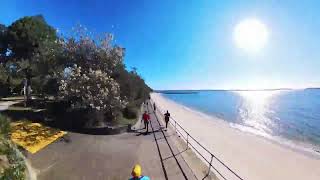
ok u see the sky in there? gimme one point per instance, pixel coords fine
(190, 44)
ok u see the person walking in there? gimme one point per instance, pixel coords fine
(167, 118)
(154, 107)
(137, 173)
(146, 118)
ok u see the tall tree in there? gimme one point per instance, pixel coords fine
(27, 34)
(27, 37)
(3, 41)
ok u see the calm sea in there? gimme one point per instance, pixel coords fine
(286, 115)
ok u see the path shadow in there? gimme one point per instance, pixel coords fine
(175, 154)
(146, 133)
(163, 137)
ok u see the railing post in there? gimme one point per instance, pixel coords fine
(187, 140)
(210, 164)
(175, 125)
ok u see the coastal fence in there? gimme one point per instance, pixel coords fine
(191, 142)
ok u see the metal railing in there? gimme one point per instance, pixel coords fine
(187, 137)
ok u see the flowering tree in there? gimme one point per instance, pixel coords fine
(93, 53)
(93, 89)
(88, 80)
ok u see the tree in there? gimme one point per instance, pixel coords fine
(95, 54)
(88, 81)
(27, 34)
(31, 42)
(3, 41)
(92, 89)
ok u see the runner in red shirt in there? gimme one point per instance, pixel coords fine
(146, 118)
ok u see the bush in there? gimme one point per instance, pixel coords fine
(4, 126)
(51, 87)
(4, 90)
(130, 112)
(16, 169)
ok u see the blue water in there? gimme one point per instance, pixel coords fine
(289, 114)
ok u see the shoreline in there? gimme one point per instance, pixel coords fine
(305, 148)
(259, 153)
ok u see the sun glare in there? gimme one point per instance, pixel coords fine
(251, 35)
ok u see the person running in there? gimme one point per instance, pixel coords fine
(137, 173)
(167, 118)
(146, 118)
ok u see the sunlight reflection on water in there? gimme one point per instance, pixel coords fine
(254, 110)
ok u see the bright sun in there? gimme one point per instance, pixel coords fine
(251, 35)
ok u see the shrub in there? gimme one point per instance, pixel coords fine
(130, 112)
(16, 169)
(4, 126)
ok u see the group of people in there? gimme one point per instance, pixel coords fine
(146, 118)
(137, 170)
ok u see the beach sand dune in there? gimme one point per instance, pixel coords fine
(250, 156)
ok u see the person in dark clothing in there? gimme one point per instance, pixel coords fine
(167, 118)
(154, 107)
(146, 118)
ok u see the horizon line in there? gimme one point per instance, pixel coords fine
(264, 89)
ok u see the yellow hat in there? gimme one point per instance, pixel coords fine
(136, 171)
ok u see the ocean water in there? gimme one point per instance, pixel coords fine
(289, 115)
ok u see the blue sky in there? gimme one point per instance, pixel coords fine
(189, 44)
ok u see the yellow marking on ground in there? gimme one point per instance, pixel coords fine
(33, 136)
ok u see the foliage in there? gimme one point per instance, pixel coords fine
(95, 54)
(35, 52)
(27, 34)
(16, 169)
(66, 66)
(16, 172)
(91, 65)
(130, 112)
(3, 40)
(93, 89)
(132, 85)
(4, 126)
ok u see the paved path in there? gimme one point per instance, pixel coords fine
(4, 105)
(111, 157)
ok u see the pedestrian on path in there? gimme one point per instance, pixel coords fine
(167, 118)
(137, 173)
(154, 107)
(145, 119)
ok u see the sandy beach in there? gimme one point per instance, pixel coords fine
(250, 156)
